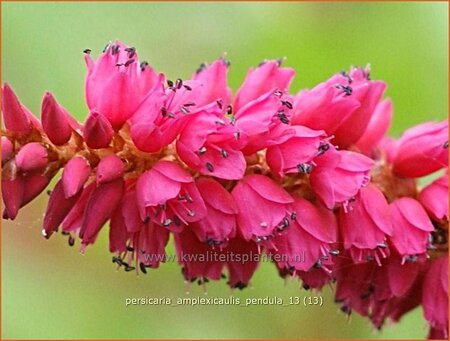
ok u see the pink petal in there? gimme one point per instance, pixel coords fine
(75, 174)
(109, 169)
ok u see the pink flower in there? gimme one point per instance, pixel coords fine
(207, 145)
(411, 228)
(339, 175)
(219, 224)
(168, 195)
(213, 83)
(97, 131)
(435, 297)
(17, 118)
(365, 224)
(434, 198)
(7, 149)
(296, 153)
(305, 237)
(31, 157)
(342, 106)
(422, 150)
(376, 129)
(75, 174)
(109, 169)
(100, 206)
(267, 77)
(263, 206)
(116, 83)
(56, 121)
(162, 115)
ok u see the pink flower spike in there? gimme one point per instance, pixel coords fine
(376, 129)
(267, 77)
(14, 113)
(110, 168)
(31, 157)
(75, 174)
(56, 121)
(412, 228)
(7, 149)
(435, 296)
(57, 209)
(262, 205)
(97, 131)
(422, 150)
(99, 209)
(434, 198)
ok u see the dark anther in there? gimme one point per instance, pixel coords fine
(171, 115)
(115, 49)
(179, 83)
(129, 248)
(345, 88)
(209, 167)
(237, 135)
(105, 48)
(382, 245)
(293, 215)
(129, 268)
(167, 222)
(287, 104)
(278, 93)
(176, 220)
(117, 260)
(346, 75)
(279, 61)
(187, 87)
(229, 110)
(71, 241)
(304, 168)
(219, 104)
(184, 110)
(163, 111)
(49, 192)
(346, 309)
(169, 83)
(323, 147)
(201, 68)
(412, 258)
(224, 153)
(306, 286)
(318, 264)
(189, 104)
(226, 62)
(87, 51)
(146, 219)
(223, 276)
(131, 51)
(202, 150)
(64, 233)
(143, 65)
(128, 62)
(334, 252)
(143, 268)
(262, 63)
(283, 225)
(240, 285)
(446, 144)
(283, 118)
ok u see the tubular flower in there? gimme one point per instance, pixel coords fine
(310, 181)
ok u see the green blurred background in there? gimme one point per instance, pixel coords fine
(51, 291)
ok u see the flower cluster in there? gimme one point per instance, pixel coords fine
(259, 172)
